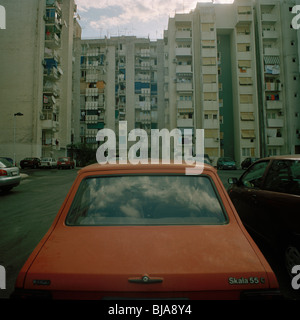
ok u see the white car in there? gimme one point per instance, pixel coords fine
(48, 163)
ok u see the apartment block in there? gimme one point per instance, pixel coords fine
(212, 77)
(122, 79)
(279, 79)
(37, 78)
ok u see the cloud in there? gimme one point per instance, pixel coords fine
(142, 16)
(131, 17)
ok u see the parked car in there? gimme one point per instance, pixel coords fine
(30, 162)
(267, 198)
(246, 163)
(8, 159)
(207, 159)
(65, 162)
(146, 231)
(48, 163)
(226, 163)
(9, 175)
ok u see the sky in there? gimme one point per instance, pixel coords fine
(147, 18)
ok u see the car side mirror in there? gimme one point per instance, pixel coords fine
(232, 180)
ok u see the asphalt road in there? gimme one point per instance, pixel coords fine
(27, 212)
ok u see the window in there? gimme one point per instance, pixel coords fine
(243, 47)
(246, 98)
(146, 200)
(254, 177)
(284, 177)
(209, 61)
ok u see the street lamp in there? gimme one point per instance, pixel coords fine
(18, 114)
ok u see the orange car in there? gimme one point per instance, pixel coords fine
(146, 231)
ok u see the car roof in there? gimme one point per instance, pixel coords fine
(283, 157)
(145, 167)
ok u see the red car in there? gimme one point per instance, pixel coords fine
(65, 162)
(146, 231)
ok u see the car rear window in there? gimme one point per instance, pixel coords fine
(146, 200)
(5, 163)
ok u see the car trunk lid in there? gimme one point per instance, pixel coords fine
(147, 259)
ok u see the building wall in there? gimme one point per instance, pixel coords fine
(21, 79)
(25, 80)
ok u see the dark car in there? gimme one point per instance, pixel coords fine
(247, 162)
(30, 163)
(267, 198)
(9, 175)
(226, 163)
(65, 162)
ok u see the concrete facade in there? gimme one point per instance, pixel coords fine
(36, 78)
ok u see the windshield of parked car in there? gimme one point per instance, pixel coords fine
(63, 159)
(146, 200)
(5, 163)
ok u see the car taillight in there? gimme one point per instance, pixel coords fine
(261, 295)
(3, 173)
(31, 294)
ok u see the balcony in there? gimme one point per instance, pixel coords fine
(183, 35)
(51, 88)
(274, 105)
(183, 52)
(51, 73)
(91, 92)
(211, 124)
(52, 41)
(275, 123)
(50, 125)
(269, 18)
(270, 35)
(207, 53)
(91, 105)
(275, 141)
(53, 4)
(184, 104)
(244, 55)
(184, 69)
(184, 123)
(184, 86)
(210, 105)
(210, 87)
(246, 89)
(243, 38)
(243, 18)
(211, 142)
(271, 51)
(208, 35)
(209, 70)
